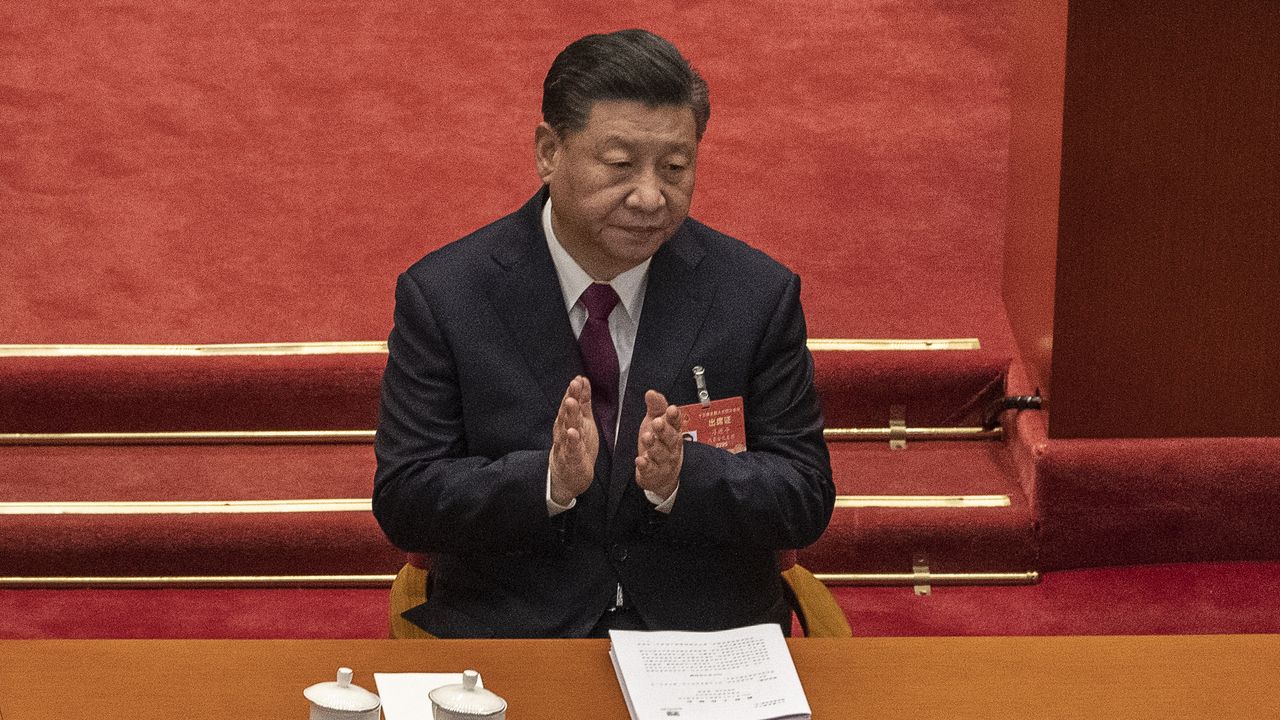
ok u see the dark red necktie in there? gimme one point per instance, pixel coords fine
(600, 358)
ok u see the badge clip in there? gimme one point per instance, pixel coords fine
(700, 379)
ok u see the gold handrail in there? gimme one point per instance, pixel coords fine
(198, 581)
(187, 507)
(377, 580)
(1028, 577)
(345, 347)
(364, 505)
(268, 437)
(378, 347)
(198, 437)
(923, 501)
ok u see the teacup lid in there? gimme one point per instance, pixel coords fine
(467, 698)
(342, 695)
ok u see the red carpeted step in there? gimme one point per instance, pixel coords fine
(1238, 597)
(1118, 502)
(858, 540)
(954, 539)
(148, 393)
(217, 541)
(939, 388)
(232, 613)
(155, 394)
(1228, 597)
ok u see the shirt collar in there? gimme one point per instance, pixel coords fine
(574, 280)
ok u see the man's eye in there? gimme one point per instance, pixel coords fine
(674, 167)
(619, 163)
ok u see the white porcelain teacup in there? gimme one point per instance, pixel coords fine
(341, 700)
(467, 701)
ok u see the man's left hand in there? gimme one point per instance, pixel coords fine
(660, 448)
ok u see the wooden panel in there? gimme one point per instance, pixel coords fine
(1168, 262)
(1036, 66)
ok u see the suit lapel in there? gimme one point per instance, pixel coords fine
(526, 295)
(675, 305)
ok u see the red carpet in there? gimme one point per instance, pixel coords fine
(1173, 599)
(938, 389)
(219, 543)
(151, 394)
(1168, 500)
(187, 613)
(340, 392)
(1145, 600)
(249, 173)
(996, 539)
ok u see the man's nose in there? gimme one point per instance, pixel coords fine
(647, 195)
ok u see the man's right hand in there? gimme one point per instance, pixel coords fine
(574, 444)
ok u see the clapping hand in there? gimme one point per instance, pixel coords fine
(574, 444)
(660, 447)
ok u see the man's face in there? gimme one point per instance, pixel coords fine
(620, 186)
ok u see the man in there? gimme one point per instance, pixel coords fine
(531, 433)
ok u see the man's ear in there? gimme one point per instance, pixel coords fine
(546, 150)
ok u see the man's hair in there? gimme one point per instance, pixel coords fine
(624, 65)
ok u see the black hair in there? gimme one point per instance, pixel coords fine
(624, 65)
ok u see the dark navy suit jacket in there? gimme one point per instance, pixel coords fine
(480, 357)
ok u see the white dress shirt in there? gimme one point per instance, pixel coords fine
(624, 321)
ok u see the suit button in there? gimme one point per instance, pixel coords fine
(619, 553)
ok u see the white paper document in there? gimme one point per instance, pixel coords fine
(404, 695)
(742, 674)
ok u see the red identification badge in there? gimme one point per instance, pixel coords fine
(722, 424)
